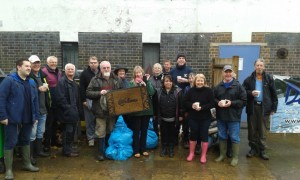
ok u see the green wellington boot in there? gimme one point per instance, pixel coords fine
(223, 149)
(26, 160)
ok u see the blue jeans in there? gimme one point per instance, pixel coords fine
(39, 128)
(229, 128)
(90, 123)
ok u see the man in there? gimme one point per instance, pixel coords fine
(262, 102)
(180, 76)
(67, 93)
(19, 110)
(53, 76)
(98, 87)
(167, 66)
(43, 93)
(230, 98)
(85, 78)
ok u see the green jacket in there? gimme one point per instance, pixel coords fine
(151, 92)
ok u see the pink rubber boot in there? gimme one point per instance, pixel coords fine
(192, 150)
(204, 146)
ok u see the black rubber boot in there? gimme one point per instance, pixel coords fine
(100, 149)
(39, 150)
(2, 165)
(32, 159)
(164, 151)
(171, 150)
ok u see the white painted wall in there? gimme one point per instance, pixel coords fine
(151, 17)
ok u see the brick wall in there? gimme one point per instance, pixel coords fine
(118, 48)
(15, 45)
(291, 41)
(196, 47)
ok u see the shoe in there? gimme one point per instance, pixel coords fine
(229, 153)
(186, 145)
(91, 143)
(171, 151)
(264, 155)
(72, 154)
(251, 153)
(164, 151)
(137, 155)
(145, 153)
(197, 149)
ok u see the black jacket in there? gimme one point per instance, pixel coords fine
(204, 96)
(236, 94)
(68, 100)
(270, 100)
(47, 93)
(85, 78)
(168, 105)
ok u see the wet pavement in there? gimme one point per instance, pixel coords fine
(284, 163)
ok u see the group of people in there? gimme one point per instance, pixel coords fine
(34, 100)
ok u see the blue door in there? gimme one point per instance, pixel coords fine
(249, 53)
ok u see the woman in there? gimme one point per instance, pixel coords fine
(121, 72)
(169, 111)
(139, 121)
(156, 81)
(198, 101)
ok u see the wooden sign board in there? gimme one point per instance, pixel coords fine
(129, 100)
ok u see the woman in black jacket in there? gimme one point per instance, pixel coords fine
(198, 102)
(169, 111)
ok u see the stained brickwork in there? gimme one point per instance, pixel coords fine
(196, 47)
(291, 41)
(15, 45)
(118, 48)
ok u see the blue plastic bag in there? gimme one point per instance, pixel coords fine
(120, 142)
(152, 139)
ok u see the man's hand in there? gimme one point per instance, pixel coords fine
(4, 122)
(43, 89)
(84, 104)
(103, 92)
(182, 80)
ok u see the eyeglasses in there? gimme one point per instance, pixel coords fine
(105, 67)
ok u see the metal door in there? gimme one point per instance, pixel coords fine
(248, 54)
(150, 56)
(70, 54)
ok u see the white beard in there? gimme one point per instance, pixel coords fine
(106, 74)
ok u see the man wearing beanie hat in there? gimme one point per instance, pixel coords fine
(180, 76)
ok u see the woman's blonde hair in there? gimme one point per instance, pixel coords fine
(136, 69)
(198, 76)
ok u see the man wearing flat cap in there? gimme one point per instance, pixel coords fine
(230, 98)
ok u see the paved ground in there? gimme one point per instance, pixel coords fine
(284, 151)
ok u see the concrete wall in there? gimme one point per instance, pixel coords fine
(150, 17)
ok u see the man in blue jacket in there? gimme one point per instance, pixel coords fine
(180, 76)
(19, 110)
